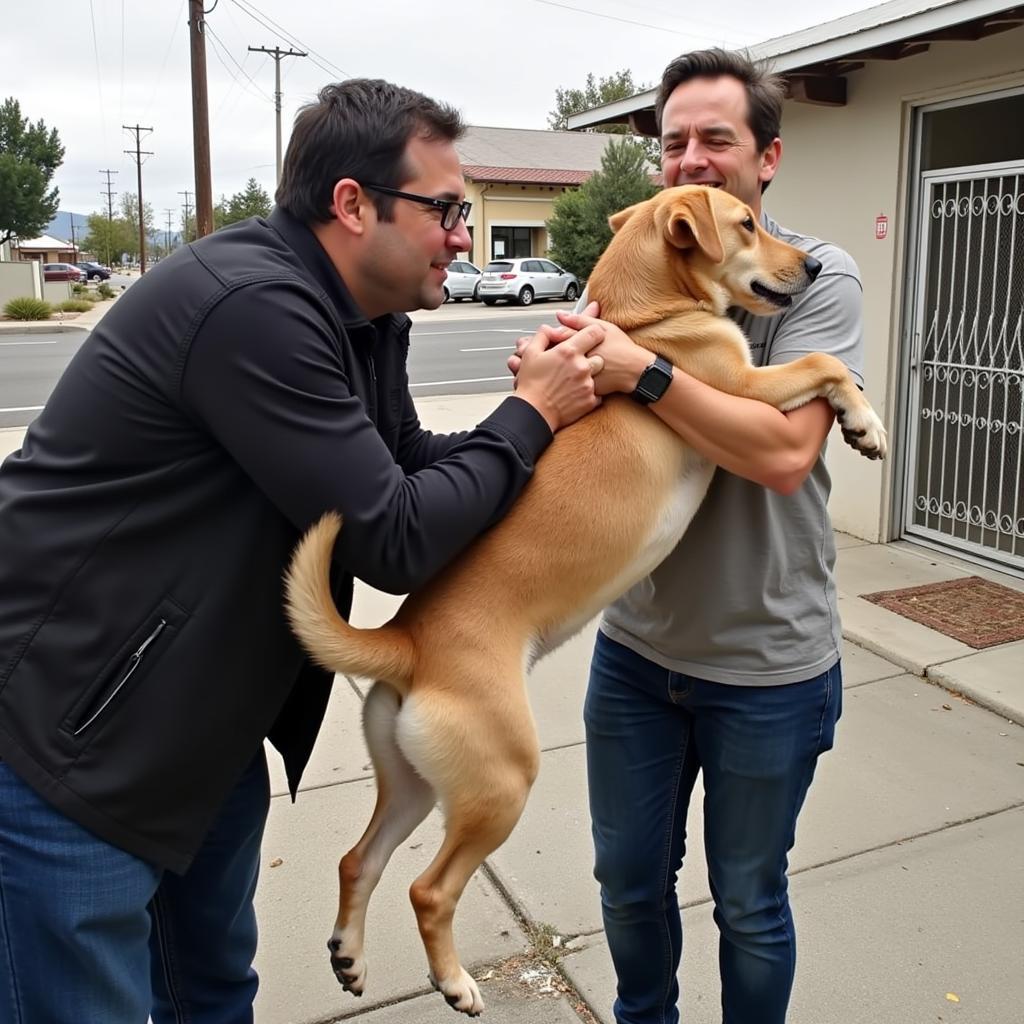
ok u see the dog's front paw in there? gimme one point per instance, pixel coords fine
(348, 964)
(863, 430)
(460, 993)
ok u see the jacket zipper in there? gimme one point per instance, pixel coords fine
(373, 389)
(133, 663)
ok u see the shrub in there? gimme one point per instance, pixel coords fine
(28, 308)
(104, 291)
(80, 289)
(75, 305)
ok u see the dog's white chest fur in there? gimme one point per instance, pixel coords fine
(668, 526)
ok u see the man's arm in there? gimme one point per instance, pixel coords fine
(265, 379)
(750, 438)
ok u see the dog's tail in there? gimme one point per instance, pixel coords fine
(385, 653)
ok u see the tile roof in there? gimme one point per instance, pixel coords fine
(525, 175)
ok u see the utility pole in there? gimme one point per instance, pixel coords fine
(188, 210)
(139, 154)
(200, 120)
(277, 54)
(167, 234)
(110, 212)
(74, 241)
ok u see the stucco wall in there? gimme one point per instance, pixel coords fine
(842, 167)
(20, 280)
(508, 205)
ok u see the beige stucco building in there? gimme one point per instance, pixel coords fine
(513, 177)
(904, 143)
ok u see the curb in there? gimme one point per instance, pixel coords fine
(41, 327)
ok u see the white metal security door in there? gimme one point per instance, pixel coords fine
(964, 467)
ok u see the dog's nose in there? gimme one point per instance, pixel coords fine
(812, 266)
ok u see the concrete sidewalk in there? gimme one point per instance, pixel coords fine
(907, 875)
(60, 322)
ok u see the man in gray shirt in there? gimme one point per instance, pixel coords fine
(725, 661)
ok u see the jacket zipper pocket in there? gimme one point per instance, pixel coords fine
(129, 670)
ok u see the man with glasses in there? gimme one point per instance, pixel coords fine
(244, 386)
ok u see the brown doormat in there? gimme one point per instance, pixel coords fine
(972, 610)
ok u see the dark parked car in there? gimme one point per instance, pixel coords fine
(62, 272)
(95, 271)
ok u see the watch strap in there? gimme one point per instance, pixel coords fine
(653, 382)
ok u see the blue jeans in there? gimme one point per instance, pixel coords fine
(91, 933)
(649, 732)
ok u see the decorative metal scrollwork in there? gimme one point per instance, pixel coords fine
(973, 515)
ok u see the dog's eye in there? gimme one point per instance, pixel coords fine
(748, 224)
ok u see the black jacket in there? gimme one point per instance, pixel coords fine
(228, 398)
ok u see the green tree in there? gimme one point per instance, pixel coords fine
(110, 238)
(29, 156)
(130, 215)
(252, 201)
(579, 225)
(595, 93)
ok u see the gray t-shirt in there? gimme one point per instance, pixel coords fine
(748, 595)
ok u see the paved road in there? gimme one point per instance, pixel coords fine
(467, 355)
(30, 365)
(455, 350)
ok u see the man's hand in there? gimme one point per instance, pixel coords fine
(623, 361)
(556, 375)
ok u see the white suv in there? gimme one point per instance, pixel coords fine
(523, 280)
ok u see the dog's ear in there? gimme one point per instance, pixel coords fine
(689, 222)
(616, 220)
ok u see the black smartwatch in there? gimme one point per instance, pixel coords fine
(653, 382)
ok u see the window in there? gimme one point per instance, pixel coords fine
(510, 243)
(548, 267)
(989, 131)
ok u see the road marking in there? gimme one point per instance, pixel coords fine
(23, 408)
(28, 343)
(483, 330)
(496, 348)
(472, 380)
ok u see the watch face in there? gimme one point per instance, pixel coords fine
(654, 381)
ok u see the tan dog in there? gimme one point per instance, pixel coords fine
(449, 720)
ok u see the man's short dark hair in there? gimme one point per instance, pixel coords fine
(765, 90)
(357, 129)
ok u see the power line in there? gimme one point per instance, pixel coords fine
(272, 26)
(178, 20)
(627, 21)
(99, 83)
(219, 43)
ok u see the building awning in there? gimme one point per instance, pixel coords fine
(815, 61)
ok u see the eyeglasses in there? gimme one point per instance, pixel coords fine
(451, 210)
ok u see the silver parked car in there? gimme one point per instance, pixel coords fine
(461, 282)
(523, 280)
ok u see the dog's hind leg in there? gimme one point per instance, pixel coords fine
(403, 801)
(482, 760)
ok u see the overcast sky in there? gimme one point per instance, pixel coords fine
(87, 67)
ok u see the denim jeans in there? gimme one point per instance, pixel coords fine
(649, 732)
(89, 932)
